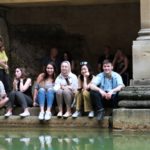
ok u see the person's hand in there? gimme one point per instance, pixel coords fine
(6, 67)
(86, 74)
(15, 82)
(21, 80)
(103, 93)
(108, 95)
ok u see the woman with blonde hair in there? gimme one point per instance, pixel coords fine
(66, 85)
(21, 94)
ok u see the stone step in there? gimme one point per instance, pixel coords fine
(134, 104)
(135, 95)
(33, 122)
(138, 119)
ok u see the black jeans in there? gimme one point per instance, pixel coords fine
(99, 102)
(19, 99)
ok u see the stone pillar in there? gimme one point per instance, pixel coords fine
(141, 47)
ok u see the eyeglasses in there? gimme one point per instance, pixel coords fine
(83, 63)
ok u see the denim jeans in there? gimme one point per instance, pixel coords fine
(46, 96)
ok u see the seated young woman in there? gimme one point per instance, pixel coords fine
(3, 97)
(82, 97)
(44, 93)
(66, 85)
(21, 94)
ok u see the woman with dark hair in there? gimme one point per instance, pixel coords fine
(21, 94)
(44, 92)
(4, 66)
(82, 97)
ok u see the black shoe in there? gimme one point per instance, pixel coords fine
(100, 114)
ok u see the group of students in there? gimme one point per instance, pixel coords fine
(88, 93)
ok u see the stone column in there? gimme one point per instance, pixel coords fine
(141, 47)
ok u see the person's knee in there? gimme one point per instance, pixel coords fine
(18, 93)
(67, 92)
(41, 90)
(51, 91)
(85, 93)
(12, 93)
(59, 92)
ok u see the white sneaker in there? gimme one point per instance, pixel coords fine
(76, 114)
(91, 114)
(48, 115)
(41, 115)
(67, 114)
(25, 114)
(8, 114)
(59, 114)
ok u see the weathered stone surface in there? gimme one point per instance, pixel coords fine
(141, 53)
(134, 104)
(32, 121)
(140, 82)
(131, 119)
(135, 93)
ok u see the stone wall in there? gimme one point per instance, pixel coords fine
(89, 29)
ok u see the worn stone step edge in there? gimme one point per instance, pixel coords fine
(134, 104)
(33, 121)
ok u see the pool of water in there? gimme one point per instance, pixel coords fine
(72, 139)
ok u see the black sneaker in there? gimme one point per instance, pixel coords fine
(100, 114)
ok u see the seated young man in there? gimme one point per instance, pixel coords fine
(105, 87)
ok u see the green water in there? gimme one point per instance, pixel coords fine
(66, 139)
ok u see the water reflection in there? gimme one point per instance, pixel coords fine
(61, 140)
(72, 140)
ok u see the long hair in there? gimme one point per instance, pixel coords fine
(90, 72)
(24, 73)
(46, 74)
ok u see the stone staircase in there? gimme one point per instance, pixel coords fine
(134, 108)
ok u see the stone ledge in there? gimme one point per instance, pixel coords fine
(32, 121)
(134, 103)
(131, 119)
